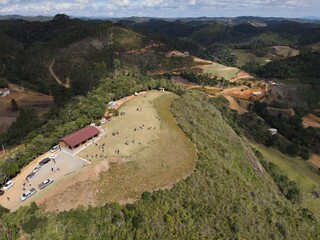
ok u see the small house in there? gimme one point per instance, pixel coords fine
(273, 131)
(4, 92)
(257, 94)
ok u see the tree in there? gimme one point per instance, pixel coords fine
(14, 105)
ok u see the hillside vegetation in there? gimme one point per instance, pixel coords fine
(82, 51)
(228, 196)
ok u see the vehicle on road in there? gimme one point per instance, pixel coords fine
(53, 156)
(44, 161)
(8, 185)
(28, 194)
(31, 175)
(1, 192)
(55, 148)
(36, 169)
(45, 183)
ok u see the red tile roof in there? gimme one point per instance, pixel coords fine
(80, 136)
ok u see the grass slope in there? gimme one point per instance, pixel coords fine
(221, 71)
(297, 170)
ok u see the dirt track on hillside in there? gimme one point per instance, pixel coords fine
(53, 74)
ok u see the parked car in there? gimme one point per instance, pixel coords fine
(36, 169)
(55, 148)
(8, 185)
(28, 194)
(1, 192)
(31, 175)
(45, 183)
(44, 161)
(53, 156)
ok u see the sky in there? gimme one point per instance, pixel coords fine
(163, 8)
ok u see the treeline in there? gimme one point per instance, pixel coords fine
(222, 198)
(303, 140)
(206, 79)
(60, 121)
(293, 140)
(287, 187)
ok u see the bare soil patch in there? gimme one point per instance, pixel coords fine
(26, 99)
(233, 104)
(315, 160)
(243, 92)
(311, 120)
(285, 51)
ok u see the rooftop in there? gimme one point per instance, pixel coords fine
(80, 136)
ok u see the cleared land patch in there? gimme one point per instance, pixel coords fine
(164, 156)
(26, 99)
(285, 51)
(311, 120)
(221, 71)
(245, 56)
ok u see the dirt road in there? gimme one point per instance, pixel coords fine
(53, 74)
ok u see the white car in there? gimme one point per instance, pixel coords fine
(53, 156)
(8, 185)
(45, 183)
(28, 194)
(36, 169)
(55, 148)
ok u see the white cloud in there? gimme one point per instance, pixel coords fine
(152, 3)
(83, 1)
(122, 3)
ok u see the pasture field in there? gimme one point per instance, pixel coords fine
(245, 56)
(221, 71)
(145, 150)
(297, 170)
(285, 51)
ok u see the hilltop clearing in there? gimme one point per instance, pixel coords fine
(146, 161)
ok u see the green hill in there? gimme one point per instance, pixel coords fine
(229, 196)
(83, 51)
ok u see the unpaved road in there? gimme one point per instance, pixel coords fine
(53, 74)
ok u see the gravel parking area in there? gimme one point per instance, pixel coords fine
(64, 164)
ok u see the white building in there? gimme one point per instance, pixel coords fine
(273, 131)
(4, 92)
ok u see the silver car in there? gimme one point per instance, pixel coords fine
(28, 194)
(45, 183)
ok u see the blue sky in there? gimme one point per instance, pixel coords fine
(163, 8)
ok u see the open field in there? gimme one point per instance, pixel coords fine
(245, 56)
(311, 120)
(297, 170)
(221, 71)
(285, 51)
(26, 100)
(147, 159)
